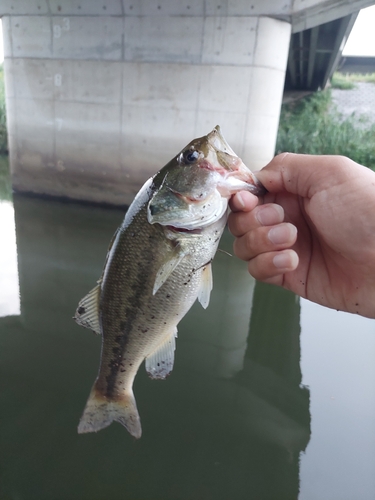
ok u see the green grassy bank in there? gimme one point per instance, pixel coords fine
(3, 127)
(314, 126)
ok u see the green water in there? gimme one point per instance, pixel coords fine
(270, 398)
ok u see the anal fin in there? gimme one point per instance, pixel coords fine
(160, 363)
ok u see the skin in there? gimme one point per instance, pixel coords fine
(314, 231)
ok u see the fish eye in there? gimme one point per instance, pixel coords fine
(190, 156)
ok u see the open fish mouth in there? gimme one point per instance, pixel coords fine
(227, 163)
(218, 141)
(196, 193)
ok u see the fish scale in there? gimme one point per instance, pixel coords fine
(158, 264)
(145, 314)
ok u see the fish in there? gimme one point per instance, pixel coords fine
(157, 265)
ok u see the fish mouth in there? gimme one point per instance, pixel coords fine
(196, 194)
(234, 173)
(218, 141)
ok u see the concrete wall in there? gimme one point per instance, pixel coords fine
(100, 95)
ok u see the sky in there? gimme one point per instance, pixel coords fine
(361, 41)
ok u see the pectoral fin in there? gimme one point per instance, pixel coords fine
(171, 262)
(87, 313)
(160, 363)
(205, 286)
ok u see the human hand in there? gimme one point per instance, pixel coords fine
(313, 232)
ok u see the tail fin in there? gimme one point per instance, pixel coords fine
(101, 412)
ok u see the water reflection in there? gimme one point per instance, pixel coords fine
(9, 286)
(229, 422)
(272, 372)
(338, 352)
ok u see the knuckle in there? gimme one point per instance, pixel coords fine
(237, 248)
(250, 240)
(235, 224)
(257, 269)
(242, 246)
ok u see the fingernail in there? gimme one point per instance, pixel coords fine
(282, 233)
(269, 215)
(282, 261)
(240, 200)
(287, 260)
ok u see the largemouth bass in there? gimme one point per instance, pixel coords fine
(158, 264)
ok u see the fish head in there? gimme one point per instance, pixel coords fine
(193, 189)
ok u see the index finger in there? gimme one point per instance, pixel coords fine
(243, 201)
(303, 174)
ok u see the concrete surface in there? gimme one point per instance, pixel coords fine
(100, 95)
(359, 101)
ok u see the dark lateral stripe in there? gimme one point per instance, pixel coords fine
(124, 305)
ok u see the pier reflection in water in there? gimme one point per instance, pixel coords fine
(230, 422)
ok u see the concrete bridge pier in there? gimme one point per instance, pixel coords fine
(102, 95)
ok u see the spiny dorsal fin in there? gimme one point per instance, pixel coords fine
(205, 286)
(160, 363)
(87, 313)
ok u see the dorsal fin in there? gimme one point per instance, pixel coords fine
(87, 313)
(160, 363)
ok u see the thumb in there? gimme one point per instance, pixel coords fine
(304, 175)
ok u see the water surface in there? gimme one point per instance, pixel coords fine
(270, 398)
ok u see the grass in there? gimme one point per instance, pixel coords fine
(348, 80)
(5, 182)
(339, 81)
(3, 126)
(314, 126)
